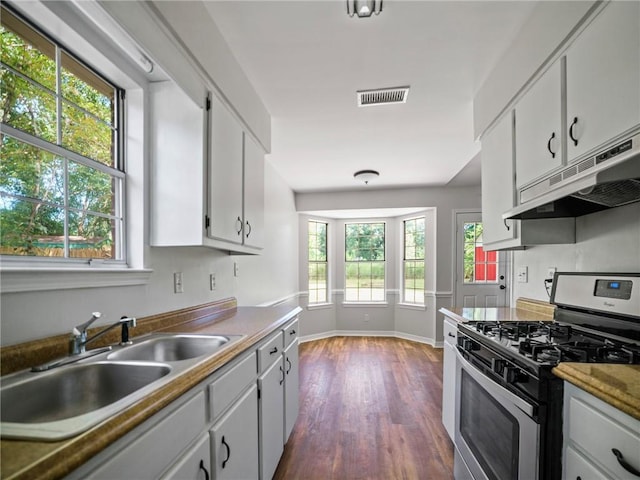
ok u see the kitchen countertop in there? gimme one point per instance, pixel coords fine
(23, 459)
(618, 385)
(526, 310)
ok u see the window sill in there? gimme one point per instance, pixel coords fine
(365, 304)
(16, 279)
(319, 306)
(412, 306)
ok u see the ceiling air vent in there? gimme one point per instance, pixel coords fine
(382, 96)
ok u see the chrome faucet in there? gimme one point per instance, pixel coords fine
(79, 340)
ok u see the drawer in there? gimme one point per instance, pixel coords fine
(224, 390)
(597, 433)
(450, 331)
(270, 352)
(194, 464)
(290, 333)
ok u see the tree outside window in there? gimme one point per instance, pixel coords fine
(365, 262)
(61, 175)
(318, 271)
(413, 262)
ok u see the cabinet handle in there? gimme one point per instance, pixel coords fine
(282, 372)
(623, 463)
(573, 124)
(224, 462)
(275, 350)
(248, 225)
(290, 365)
(238, 226)
(292, 332)
(451, 334)
(204, 469)
(508, 227)
(553, 154)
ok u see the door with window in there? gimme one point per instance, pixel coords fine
(480, 276)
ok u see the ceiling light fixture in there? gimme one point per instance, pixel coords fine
(366, 176)
(364, 8)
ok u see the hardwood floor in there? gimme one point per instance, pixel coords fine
(370, 408)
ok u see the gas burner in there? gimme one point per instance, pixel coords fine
(619, 354)
(554, 330)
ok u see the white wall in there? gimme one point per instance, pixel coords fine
(607, 241)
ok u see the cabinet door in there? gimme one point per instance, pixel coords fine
(603, 78)
(194, 465)
(291, 388)
(539, 128)
(234, 440)
(498, 182)
(271, 385)
(225, 175)
(448, 388)
(253, 193)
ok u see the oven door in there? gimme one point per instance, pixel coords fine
(495, 433)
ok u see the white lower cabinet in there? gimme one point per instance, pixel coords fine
(600, 441)
(271, 417)
(449, 376)
(234, 440)
(291, 388)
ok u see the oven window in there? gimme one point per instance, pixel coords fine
(491, 432)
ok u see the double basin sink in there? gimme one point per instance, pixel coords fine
(67, 400)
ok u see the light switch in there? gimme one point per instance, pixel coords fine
(523, 274)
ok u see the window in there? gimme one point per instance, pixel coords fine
(318, 272)
(479, 266)
(62, 172)
(364, 262)
(413, 264)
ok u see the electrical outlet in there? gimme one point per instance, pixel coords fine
(236, 269)
(212, 281)
(177, 282)
(523, 274)
(366, 318)
(550, 272)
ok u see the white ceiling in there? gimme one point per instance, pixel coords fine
(306, 60)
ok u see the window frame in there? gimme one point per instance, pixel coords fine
(116, 171)
(384, 262)
(326, 264)
(403, 289)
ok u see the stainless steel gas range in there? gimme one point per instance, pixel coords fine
(508, 402)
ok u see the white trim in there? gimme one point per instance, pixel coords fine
(320, 306)
(365, 304)
(42, 279)
(282, 300)
(412, 306)
(370, 333)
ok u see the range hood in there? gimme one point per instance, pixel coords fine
(608, 179)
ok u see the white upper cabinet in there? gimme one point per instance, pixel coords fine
(498, 184)
(225, 175)
(539, 139)
(603, 79)
(253, 193)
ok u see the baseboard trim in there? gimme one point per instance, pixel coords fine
(370, 333)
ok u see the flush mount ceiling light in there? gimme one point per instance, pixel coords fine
(364, 8)
(366, 176)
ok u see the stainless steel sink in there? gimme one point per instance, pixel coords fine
(172, 348)
(65, 401)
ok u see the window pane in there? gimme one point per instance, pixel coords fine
(91, 236)
(84, 88)
(91, 189)
(87, 136)
(27, 51)
(28, 228)
(31, 172)
(27, 107)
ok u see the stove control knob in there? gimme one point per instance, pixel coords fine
(514, 375)
(497, 365)
(469, 345)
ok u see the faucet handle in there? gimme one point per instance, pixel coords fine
(82, 328)
(126, 323)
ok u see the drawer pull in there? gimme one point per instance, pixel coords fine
(224, 462)
(573, 138)
(451, 334)
(623, 463)
(275, 350)
(282, 372)
(292, 332)
(289, 362)
(204, 469)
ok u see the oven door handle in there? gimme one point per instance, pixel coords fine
(494, 388)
